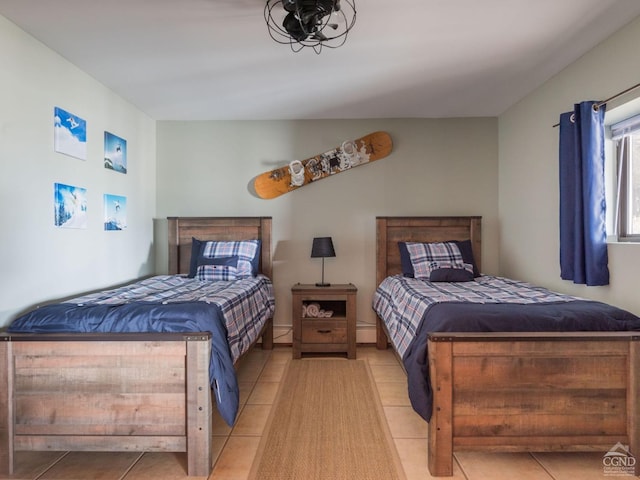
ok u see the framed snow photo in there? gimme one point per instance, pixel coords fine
(70, 206)
(70, 134)
(115, 212)
(115, 153)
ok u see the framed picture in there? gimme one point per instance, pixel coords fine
(70, 134)
(115, 153)
(70, 206)
(115, 212)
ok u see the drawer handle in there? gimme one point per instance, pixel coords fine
(324, 331)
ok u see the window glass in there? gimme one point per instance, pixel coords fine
(627, 141)
(634, 193)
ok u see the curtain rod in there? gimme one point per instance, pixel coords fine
(604, 102)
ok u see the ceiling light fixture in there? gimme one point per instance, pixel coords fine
(310, 23)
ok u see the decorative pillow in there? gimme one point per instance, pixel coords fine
(426, 257)
(405, 260)
(246, 251)
(464, 246)
(467, 255)
(214, 273)
(196, 246)
(222, 261)
(451, 275)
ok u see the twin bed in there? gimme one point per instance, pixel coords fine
(540, 389)
(121, 390)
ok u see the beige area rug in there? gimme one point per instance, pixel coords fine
(327, 423)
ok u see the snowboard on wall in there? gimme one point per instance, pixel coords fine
(350, 154)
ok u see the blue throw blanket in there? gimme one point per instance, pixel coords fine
(234, 312)
(578, 315)
(147, 317)
(412, 308)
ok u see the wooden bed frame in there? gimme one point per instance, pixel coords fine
(120, 392)
(574, 391)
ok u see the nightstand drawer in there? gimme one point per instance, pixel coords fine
(324, 331)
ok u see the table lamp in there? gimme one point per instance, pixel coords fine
(322, 248)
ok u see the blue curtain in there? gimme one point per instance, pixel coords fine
(583, 237)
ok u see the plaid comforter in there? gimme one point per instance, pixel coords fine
(233, 311)
(402, 302)
(413, 308)
(244, 304)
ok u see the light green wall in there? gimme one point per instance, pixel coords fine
(437, 167)
(39, 262)
(528, 172)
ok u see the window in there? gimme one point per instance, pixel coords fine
(626, 137)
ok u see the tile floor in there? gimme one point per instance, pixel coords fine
(259, 375)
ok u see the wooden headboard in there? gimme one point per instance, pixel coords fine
(391, 230)
(183, 229)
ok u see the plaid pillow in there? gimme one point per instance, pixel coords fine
(246, 251)
(427, 257)
(214, 273)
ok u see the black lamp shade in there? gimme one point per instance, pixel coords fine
(322, 247)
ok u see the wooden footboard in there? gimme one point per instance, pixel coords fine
(106, 392)
(533, 392)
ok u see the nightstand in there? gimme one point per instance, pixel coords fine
(313, 333)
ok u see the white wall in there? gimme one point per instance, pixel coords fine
(437, 167)
(528, 172)
(38, 261)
